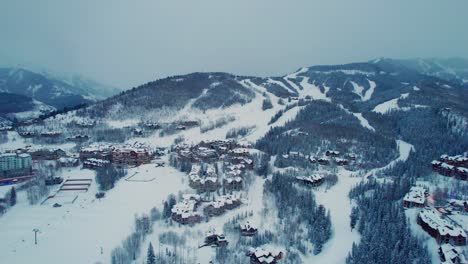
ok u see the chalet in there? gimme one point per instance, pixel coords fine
(223, 203)
(96, 152)
(246, 162)
(313, 180)
(341, 162)
(262, 256)
(150, 125)
(446, 170)
(332, 153)
(458, 160)
(323, 161)
(93, 163)
(181, 127)
(130, 156)
(214, 239)
(449, 254)
(68, 162)
(185, 212)
(240, 152)
(312, 160)
(436, 165)
(233, 183)
(351, 156)
(248, 230)
(441, 229)
(416, 197)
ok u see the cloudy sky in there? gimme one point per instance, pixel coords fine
(126, 42)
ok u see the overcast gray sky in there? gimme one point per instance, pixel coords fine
(129, 42)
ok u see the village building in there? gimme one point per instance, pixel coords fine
(214, 239)
(14, 165)
(332, 153)
(441, 229)
(323, 161)
(262, 256)
(94, 163)
(130, 156)
(50, 134)
(185, 212)
(416, 197)
(233, 183)
(96, 152)
(222, 204)
(457, 161)
(248, 229)
(341, 162)
(313, 180)
(78, 138)
(449, 254)
(68, 162)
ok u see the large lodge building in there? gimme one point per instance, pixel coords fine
(441, 229)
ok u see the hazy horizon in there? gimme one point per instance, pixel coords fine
(126, 44)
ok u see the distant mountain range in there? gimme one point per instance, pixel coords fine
(28, 94)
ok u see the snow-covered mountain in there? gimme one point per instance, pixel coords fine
(52, 92)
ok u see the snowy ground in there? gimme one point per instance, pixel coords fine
(336, 200)
(75, 233)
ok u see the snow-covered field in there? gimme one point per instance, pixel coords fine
(75, 233)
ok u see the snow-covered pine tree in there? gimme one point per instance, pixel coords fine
(151, 258)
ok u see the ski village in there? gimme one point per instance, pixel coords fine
(217, 168)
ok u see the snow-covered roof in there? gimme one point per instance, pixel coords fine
(312, 178)
(435, 221)
(415, 195)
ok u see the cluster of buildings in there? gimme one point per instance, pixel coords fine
(15, 164)
(221, 204)
(416, 197)
(210, 151)
(47, 134)
(192, 208)
(442, 229)
(186, 211)
(235, 157)
(262, 256)
(203, 181)
(450, 166)
(330, 157)
(312, 180)
(215, 239)
(104, 155)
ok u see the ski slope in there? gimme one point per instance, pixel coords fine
(336, 200)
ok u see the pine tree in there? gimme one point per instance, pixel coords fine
(151, 258)
(12, 196)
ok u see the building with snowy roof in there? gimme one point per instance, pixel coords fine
(416, 197)
(441, 229)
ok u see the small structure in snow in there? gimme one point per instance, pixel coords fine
(313, 180)
(248, 229)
